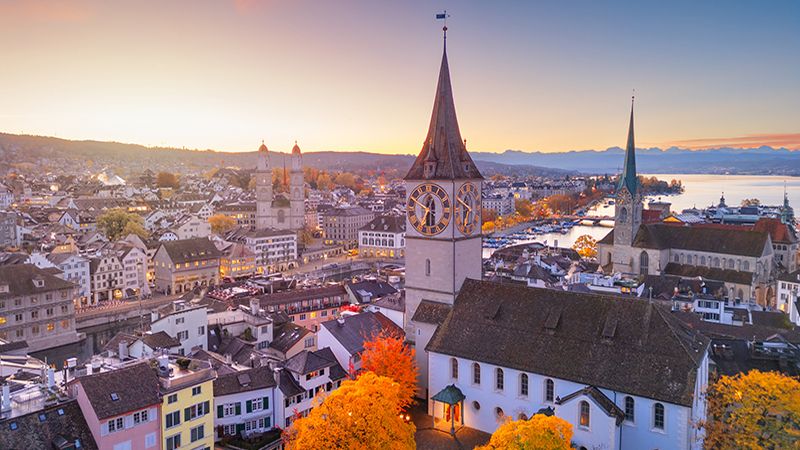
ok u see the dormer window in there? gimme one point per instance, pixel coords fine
(429, 169)
(38, 282)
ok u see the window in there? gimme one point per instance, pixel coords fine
(201, 330)
(196, 390)
(197, 433)
(644, 263)
(549, 390)
(309, 342)
(183, 335)
(499, 382)
(172, 399)
(116, 424)
(523, 384)
(173, 419)
(229, 409)
(427, 267)
(453, 368)
(658, 416)
(150, 440)
(584, 419)
(195, 411)
(140, 417)
(629, 414)
(257, 404)
(476, 405)
(476, 373)
(174, 442)
(623, 215)
(498, 411)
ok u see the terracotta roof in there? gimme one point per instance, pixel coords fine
(134, 387)
(443, 145)
(778, 231)
(624, 344)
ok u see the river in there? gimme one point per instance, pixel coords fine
(699, 191)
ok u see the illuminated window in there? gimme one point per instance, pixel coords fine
(51, 326)
(584, 419)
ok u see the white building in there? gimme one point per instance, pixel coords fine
(191, 226)
(346, 335)
(275, 250)
(74, 268)
(185, 322)
(383, 237)
(245, 401)
(789, 295)
(106, 278)
(304, 376)
(503, 205)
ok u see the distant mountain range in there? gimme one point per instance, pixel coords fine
(132, 157)
(750, 161)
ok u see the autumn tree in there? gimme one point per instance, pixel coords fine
(751, 202)
(118, 223)
(345, 179)
(387, 355)
(586, 246)
(561, 203)
(221, 223)
(167, 180)
(523, 207)
(324, 181)
(488, 215)
(540, 432)
(361, 414)
(753, 411)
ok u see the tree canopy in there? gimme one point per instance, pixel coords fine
(387, 355)
(167, 179)
(221, 223)
(586, 246)
(118, 223)
(361, 414)
(540, 432)
(752, 411)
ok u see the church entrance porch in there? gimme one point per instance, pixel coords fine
(448, 408)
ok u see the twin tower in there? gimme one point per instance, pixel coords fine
(284, 211)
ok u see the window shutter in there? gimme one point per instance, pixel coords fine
(239, 428)
(151, 415)
(206, 407)
(239, 409)
(128, 421)
(265, 403)
(219, 411)
(249, 406)
(104, 429)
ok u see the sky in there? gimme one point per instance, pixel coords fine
(361, 75)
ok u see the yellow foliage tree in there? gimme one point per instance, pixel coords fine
(118, 223)
(488, 227)
(752, 411)
(586, 246)
(387, 355)
(523, 207)
(221, 223)
(540, 432)
(361, 414)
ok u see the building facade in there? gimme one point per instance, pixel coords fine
(341, 225)
(383, 237)
(182, 265)
(284, 212)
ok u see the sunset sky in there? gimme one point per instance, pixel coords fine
(360, 75)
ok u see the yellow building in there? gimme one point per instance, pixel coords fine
(237, 261)
(188, 398)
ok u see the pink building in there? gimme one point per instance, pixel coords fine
(121, 407)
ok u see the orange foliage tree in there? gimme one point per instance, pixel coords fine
(586, 246)
(753, 411)
(387, 355)
(361, 414)
(221, 223)
(540, 432)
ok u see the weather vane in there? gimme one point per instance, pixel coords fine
(443, 16)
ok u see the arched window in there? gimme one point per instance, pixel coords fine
(584, 419)
(523, 384)
(703, 260)
(629, 414)
(644, 263)
(746, 266)
(623, 215)
(499, 382)
(476, 373)
(498, 411)
(682, 258)
(658, 416)
(522, 416)
(739, 295)
(453, 368)
(428, 267)
(716, 261)
(549, 390)
(731, 264)
(676, 258)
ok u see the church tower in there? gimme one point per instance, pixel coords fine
(628, 210)
(443, 223)
(296, 191)
(263, 176)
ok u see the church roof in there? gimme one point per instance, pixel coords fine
(629, 179)
(443, 147)
(627, 345)
(296, 149)
(263, 148)
(727, 241)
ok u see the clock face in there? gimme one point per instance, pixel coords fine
(468, 209)
(429, 209)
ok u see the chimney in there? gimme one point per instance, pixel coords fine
(5, 403)
(340, 321)
(51, 377)
(255, 308)
(123, 350)
(228, 359)
(163, 361)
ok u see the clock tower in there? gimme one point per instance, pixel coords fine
(443, 223)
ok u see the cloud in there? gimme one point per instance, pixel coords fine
(788, 140)
(61, 11)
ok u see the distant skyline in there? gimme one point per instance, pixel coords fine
(360, 75)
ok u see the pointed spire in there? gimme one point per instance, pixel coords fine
(629, 178)
(443, 154)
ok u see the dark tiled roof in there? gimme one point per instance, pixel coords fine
(747, 331)
(711, 273)
(443, 144)
(376, 289)
(627, 345)
(136, 387)
(734, 356)
(353, 331)
(188, 250)
(307, 362)
(244, 381)
(288, 385)
(64, 424)
(730, 241)
(300, 294)
(431, 312)
(20, 280)
(386, 224)
(286, 336)
(160, 340)
(605, 403)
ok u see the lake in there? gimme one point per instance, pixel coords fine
(699, 191)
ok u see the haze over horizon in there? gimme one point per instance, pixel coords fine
(360, 76)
